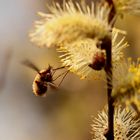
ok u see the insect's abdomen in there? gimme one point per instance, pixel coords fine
(39, 87)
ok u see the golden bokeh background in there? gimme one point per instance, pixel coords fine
(65, 114)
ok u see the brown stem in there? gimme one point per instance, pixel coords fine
(110, 134)
(107, 45)
(108, 69)
(113, 11)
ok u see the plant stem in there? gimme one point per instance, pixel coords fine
(113, 11)
(108, 69)
(107, 45)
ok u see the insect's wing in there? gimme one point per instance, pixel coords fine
(30, 65)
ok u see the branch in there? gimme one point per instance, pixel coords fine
(108, 69)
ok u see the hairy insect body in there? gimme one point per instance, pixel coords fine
(40, 83)
(44, 78)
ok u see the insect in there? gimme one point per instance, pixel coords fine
(44, 78)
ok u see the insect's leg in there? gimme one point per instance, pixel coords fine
(53, 73)
(59, 76)
(51, 84)
(54, 70)
(59, 68)
(63, 78)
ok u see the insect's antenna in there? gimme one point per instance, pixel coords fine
(53, 73)
(30, 65)
(63, 78)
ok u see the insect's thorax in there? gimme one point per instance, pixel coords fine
(46, 76)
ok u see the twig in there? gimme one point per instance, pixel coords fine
(107, 45)
(108, 69)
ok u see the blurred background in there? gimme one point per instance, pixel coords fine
(65, 114)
